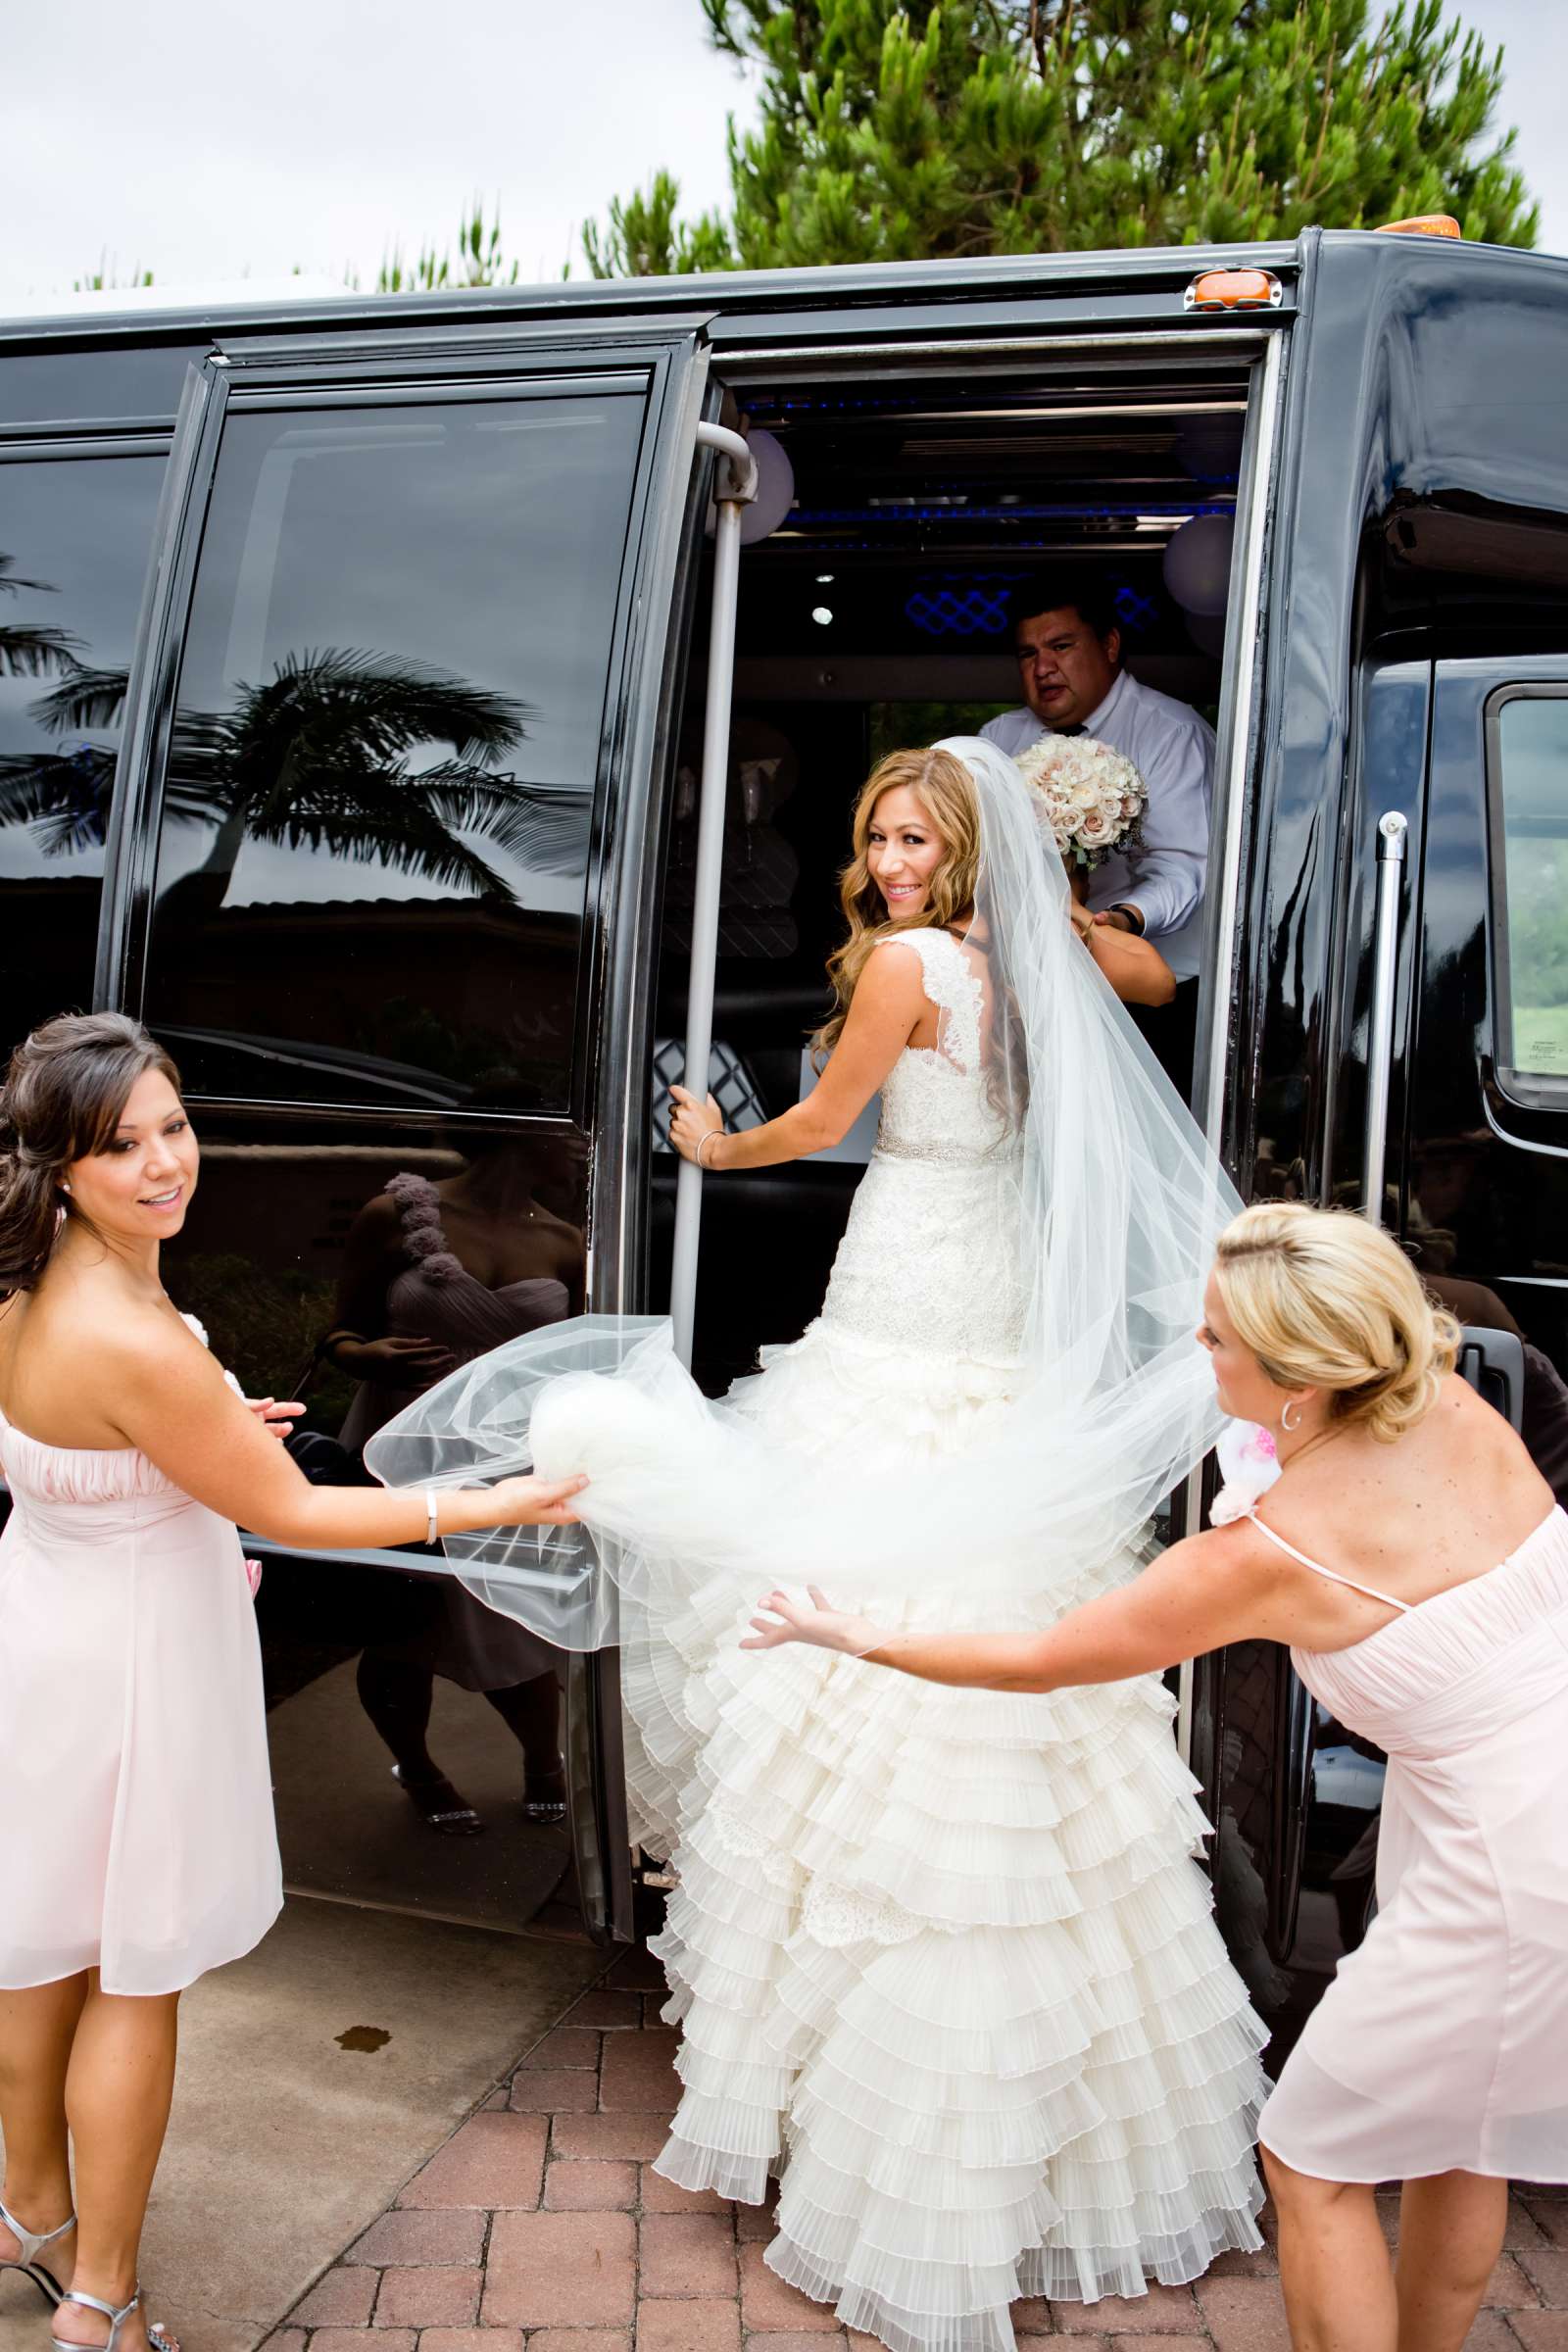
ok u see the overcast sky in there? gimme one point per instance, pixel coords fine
(204, 141)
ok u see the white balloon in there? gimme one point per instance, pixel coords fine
(1197, 563)
(775, 488)
(1207, 630)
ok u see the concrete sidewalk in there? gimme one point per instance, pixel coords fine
(540, 2224)
(315, 2075)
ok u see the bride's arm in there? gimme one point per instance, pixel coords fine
(1215, 1588)
(886, 1009)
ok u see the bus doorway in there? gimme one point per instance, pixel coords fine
(877, 616)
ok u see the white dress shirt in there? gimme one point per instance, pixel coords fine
(1173, 751)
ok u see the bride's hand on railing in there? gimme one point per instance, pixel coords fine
(691, 1123)
(812, 1621)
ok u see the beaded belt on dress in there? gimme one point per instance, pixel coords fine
(966, 1156)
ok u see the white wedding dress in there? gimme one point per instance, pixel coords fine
(942, 1958)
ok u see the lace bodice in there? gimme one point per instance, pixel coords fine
(935, 1102)
(929, 1262)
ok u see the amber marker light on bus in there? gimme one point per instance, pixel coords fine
(1425, 225)
(1234, 290)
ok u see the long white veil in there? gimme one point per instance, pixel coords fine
(1112, 1202)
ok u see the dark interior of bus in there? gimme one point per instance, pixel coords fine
(875, 617)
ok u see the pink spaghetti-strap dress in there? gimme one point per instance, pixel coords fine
(136, 1831)
(1443, 2042)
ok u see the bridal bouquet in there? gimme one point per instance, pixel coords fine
(1092, 798)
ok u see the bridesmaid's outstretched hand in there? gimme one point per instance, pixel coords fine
(813, 1621)
(536, 1501)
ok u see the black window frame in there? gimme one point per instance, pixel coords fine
(1529, 1089)
(371, 370)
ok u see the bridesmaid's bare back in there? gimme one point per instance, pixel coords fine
(1448, 1501)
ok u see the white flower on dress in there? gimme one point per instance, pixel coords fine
(1092, 798)
(1248, 1464)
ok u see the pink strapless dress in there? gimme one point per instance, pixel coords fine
(136, 1831)
(1443, 2042)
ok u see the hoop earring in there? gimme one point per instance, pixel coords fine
(1290, 1406)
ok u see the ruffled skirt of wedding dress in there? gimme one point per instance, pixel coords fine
(942, 1959)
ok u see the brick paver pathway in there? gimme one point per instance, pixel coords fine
(541, 2226)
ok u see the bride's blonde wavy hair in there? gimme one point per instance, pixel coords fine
(945, 790)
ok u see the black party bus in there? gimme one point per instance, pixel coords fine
(367, 668)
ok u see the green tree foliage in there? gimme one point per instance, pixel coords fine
(644, 238)
(105, 278)
(477, 261)
(997, 127)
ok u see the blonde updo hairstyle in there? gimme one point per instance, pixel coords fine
(945, 790)
(1326, 1301)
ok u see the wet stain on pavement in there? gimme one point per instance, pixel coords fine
(363, 2037)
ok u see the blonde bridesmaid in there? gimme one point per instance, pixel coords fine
(1413, 1558)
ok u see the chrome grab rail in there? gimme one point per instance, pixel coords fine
(732, 498)
(1393, 833)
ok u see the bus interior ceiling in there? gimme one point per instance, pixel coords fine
(876, 617)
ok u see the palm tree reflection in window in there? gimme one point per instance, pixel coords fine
(318, 759)
(62, 799)
(30, 649)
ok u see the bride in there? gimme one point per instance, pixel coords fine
(942, 1959)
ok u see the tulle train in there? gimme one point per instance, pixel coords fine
(942, 1959)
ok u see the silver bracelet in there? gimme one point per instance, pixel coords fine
(713, 1135)
(430, 1530)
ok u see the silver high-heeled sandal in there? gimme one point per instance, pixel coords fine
(33, 2242)
(156, 2336)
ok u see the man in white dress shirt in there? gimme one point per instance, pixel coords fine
(1069, 661)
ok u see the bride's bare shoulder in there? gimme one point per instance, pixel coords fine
(898, 970)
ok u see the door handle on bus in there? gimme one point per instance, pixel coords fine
(1493, 1363)
(1392, 830)
(734, 495)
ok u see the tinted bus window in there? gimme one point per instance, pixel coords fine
(1529, 792)
(75, 534)
(377, 808)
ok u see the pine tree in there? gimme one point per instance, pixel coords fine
(480, 260)
(996, 126)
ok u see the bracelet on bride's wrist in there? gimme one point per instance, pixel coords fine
(703, 1142)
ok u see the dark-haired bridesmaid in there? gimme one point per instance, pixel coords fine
(137, 1846)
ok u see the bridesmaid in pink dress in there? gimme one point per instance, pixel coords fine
(1414, 1559)
(136, 1840)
